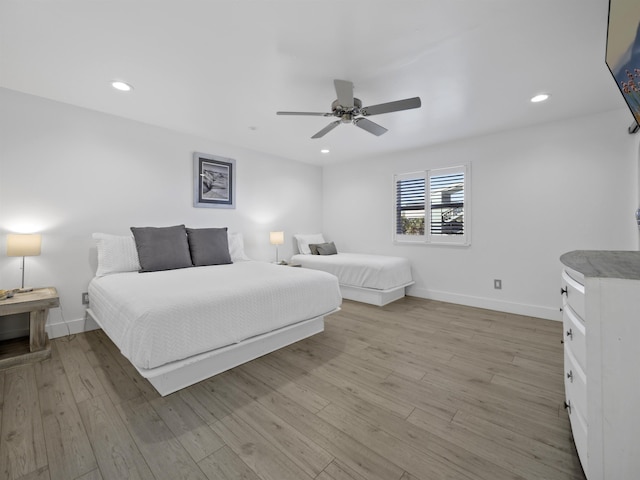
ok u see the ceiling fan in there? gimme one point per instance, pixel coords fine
(350, 110)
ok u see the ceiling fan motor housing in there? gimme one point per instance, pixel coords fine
(339, 110)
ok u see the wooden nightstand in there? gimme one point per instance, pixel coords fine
(35, 347)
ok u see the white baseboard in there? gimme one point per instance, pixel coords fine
(79, 325)
(488, 303)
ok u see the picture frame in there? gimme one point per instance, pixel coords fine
(214, 181)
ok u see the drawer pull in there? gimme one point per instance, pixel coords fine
(563, 291)
(567, 406)
(570, 333)
(570, 376)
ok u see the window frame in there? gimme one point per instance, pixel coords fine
(429, 238)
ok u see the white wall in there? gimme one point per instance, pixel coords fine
(68, 172)
(535, 194)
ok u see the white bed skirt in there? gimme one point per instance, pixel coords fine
(373, 296)
(374, 279)
(174, 376)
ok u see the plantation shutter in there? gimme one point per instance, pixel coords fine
(410, 207)
(447, 208)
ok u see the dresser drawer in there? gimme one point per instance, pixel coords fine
(573, 294)
(574, 332)
(579, 430)
(575, 384)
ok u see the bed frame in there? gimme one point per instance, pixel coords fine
(373, 296)
(174, 376)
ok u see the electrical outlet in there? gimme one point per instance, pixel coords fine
(497, 284)
(85, 298)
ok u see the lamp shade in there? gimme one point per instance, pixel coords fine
(276, 238)
(23, 245)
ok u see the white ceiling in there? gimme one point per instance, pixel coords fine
(221, 69)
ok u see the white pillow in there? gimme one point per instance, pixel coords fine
(305, 239)
(236, 247)
(116, 254)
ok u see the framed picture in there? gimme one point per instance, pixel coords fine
(214, 181)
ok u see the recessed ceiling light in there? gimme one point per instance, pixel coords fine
(540, 98)
(324, 150)
(123, 87)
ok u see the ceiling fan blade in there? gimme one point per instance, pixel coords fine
(406, 104)
(369, 126)
(312, 114)
(344, 91)
(327, 129)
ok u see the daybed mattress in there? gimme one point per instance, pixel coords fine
(378, 272)
(160, 317)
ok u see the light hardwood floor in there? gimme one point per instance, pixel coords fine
(416, 390)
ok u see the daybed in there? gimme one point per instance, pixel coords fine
(181, 325)
(375, 279)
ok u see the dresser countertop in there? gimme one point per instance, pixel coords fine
(604, 263)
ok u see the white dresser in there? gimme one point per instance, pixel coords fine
(601, 320)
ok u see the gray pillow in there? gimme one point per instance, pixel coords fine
(163, 248)
(314, 248)
(209, 246)
(327, 248)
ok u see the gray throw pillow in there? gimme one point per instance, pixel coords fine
(327, 248)
(162, 248)
(314, 248)
(209, 246)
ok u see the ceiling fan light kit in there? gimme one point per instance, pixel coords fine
(350, 110)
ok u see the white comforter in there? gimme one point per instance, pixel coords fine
(379, 272)
(160, 317)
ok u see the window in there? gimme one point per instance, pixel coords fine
(432, 206)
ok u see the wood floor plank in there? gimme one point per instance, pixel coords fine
(195, 435)
(336, 470)
(82, 377)
(164, 454)
(307, 455)
(92, 475)
(117, 454)
(256, 451)
(349, 451)
(303, 396)
(68, 449)
(332, 357)
(226, 465)
(40, 474)
(405, 455)
(130, 371)
(22, 445)
(117, 384)
(329, 384)
(553, 433)
(535, 375)
(519, 443)
(486, 448)
(442, 453)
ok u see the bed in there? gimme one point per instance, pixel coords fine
(375, 279)
(179, 326)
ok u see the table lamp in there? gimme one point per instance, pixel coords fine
(23, 245)
(276, 238)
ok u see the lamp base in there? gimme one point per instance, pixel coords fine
(24, 289)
